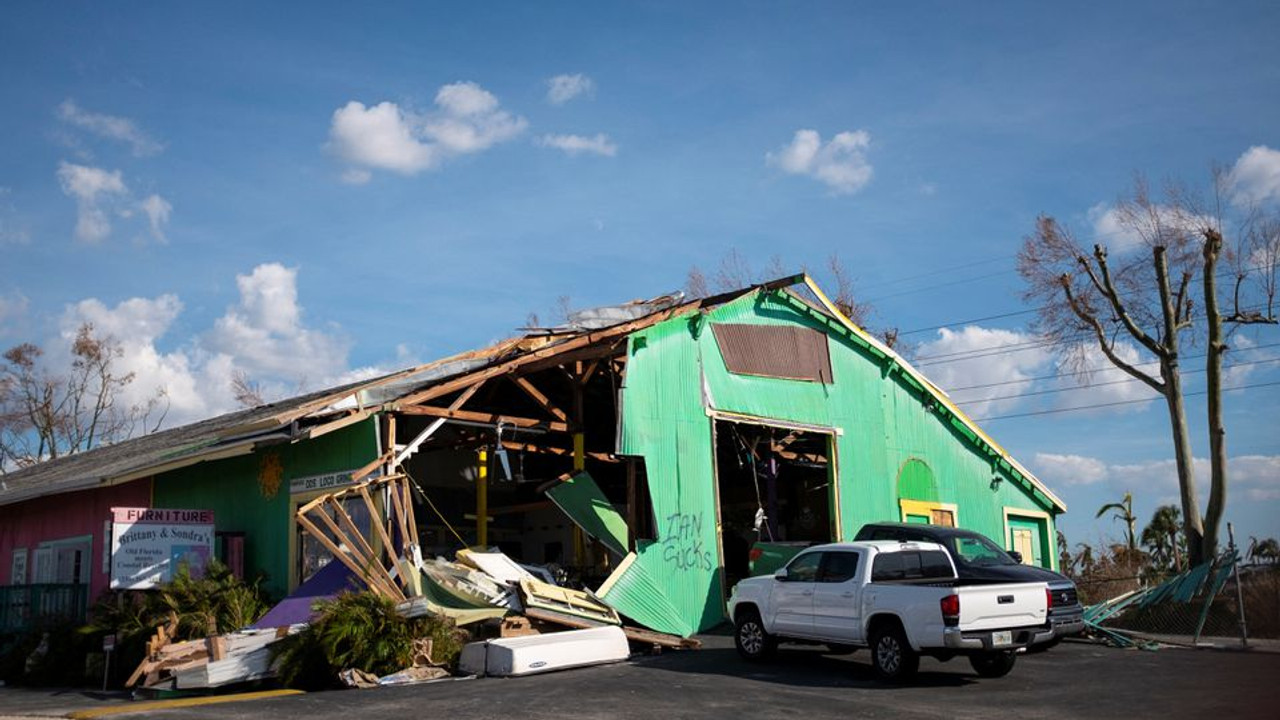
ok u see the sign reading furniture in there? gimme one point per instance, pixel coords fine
(148, 545)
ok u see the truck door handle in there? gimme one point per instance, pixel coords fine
(848, 594)
(807, 593)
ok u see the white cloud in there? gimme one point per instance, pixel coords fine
(1256, 175)
(1069, 469)
(467, 119)
(576, 144)
(1258, 476)
(563, 88)
(972, 356)
(1099, 382)
(111, 127)
(840, 163)
(1112, 229)
(262, 335)
(381, 137)
(157, 210)
(91, 188)
(265, 334)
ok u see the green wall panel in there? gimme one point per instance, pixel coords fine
(231, 488)
(676, 374)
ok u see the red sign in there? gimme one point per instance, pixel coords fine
(162, 515)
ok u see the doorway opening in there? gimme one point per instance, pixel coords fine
(776, 492)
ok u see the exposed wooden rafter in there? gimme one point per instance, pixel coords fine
(484, 417)
(552, 450)
(539, 397)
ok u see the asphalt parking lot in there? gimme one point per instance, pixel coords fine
(1074, 680)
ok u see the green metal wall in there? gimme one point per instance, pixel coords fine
(675, 373)
(240, 503)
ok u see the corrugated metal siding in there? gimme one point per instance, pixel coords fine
(674, 365)
(791, 352)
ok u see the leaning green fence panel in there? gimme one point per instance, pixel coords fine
(638, 592)
(581, 499)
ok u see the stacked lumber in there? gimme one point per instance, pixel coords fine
(206, 663)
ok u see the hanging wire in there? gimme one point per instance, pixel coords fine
(433, 507)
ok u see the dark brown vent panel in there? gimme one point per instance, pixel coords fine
(781, 351)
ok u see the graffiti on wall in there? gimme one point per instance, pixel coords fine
(683, 542)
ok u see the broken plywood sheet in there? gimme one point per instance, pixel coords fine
(581, 499)
(538, 595)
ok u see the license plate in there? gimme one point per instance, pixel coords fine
(1002, 638)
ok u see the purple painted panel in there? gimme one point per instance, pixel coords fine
(328, 581)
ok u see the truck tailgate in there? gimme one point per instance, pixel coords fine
(988, 607)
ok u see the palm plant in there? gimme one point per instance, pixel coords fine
(1163, 538)
(1123, 511)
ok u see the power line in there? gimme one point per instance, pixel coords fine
(1082, 388)
(1028, 311)
(989, 350)
(1104, 369)
(1114, 404)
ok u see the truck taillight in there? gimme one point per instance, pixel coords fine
(1048, 599)
(950, 610)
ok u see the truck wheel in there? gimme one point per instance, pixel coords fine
(751, 639)
(993, 664)
(891, 655)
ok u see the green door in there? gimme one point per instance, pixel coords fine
(917, 519)
(1027, 536)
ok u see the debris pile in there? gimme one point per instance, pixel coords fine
(520, 620)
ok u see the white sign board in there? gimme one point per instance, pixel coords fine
(149, 544)
(328, 481)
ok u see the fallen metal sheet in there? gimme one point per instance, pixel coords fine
(633, 591)
(541, 596)
(581, 499)
(532, 654)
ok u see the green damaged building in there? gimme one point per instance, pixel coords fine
(648, 451)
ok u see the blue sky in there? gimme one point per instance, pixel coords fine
(313, 192)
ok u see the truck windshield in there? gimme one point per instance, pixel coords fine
(979, 551)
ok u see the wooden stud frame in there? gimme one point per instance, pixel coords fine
(370, 556)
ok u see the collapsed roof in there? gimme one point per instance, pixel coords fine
(314, 414)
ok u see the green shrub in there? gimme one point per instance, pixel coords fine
(360, 631)
(214, 604)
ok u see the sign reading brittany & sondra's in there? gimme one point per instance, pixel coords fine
(148, 545)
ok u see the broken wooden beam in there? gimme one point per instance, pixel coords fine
(484, 417)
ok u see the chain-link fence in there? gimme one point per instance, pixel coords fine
(1203, 602)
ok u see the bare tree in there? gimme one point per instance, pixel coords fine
(46, 414)
(845, 299)
(1142, 300)
(248, 394)
(735, 271)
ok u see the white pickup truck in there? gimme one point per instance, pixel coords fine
(901, 599)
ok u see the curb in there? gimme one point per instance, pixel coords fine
(178, 703)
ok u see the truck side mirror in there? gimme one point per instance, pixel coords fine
(780, 575)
